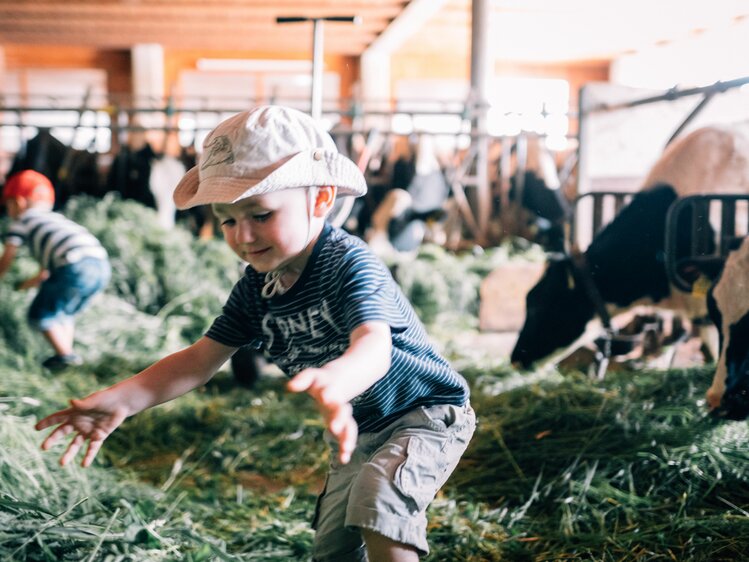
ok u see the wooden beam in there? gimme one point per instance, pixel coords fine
(93, 38)
(408, 22)
(226, 25)
(77, 10)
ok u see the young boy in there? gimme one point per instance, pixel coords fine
(329, 314)
(74, 266)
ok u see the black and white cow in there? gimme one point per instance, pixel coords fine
(626, 259)
(541, 213)
(712, 159)
(625, 262)
(728, 303)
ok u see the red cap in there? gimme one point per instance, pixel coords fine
(30, 185)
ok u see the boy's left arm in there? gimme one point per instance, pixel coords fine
(34, 281)
(9, 254)
(336, 383)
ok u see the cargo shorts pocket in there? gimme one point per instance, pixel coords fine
(432, 453)
(318, 502)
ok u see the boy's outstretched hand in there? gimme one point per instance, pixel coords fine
(34, 281)
(90, 419)
(336, 410)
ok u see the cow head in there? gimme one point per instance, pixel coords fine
(731, 396)
(624, 261)
(557, 310)
(539, 213)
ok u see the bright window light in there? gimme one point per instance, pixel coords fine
(536, 105)
(402, 124)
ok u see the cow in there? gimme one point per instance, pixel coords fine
(728, 304)
(537, 208)
(71, 171)
(625, 261)
(541, 213)
(713, 159)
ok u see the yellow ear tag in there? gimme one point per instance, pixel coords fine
(570, 281)
(701, 286)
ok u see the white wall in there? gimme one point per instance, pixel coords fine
(716, 54)
(621, 145)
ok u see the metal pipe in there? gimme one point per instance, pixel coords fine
(700, 106)
(672, 94)
(317, 54)
(317, 66)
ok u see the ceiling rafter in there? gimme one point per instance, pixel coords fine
(191, 24)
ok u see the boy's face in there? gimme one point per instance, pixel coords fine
(267, 230)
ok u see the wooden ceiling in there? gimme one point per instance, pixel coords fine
(538, 30)
(248, 25)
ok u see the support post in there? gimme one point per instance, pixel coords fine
(317, 55)
(480, 72)
(317, 65)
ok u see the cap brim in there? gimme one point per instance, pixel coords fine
(298, 171)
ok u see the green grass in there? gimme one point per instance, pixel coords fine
(561, 467)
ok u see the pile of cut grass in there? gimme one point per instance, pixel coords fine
(154, 268)
(628, 468)
(624, 469)
(51, 514)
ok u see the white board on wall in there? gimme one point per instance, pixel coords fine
(623, 144)
(619, 146)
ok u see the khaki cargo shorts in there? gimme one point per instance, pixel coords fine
(392, 477)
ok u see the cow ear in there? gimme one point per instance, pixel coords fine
(551, 259)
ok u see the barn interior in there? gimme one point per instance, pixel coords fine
(577, 255)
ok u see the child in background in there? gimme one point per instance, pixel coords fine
(74, 266)
(329, 314)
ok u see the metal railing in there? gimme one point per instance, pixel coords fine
(702, 249)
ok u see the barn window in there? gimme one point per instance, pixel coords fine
(229, 86)
(537, 105)
(30, 89)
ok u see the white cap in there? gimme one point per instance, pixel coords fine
(266, 149)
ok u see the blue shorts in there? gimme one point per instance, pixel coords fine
(67, 291)
(392, 477)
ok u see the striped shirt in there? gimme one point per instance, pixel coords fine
(54, 240)
(343, 286)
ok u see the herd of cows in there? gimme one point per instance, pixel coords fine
(625, 266)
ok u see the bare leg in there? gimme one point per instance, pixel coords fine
(383, 549)
(60, 337)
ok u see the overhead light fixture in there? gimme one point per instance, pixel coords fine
(254, 65)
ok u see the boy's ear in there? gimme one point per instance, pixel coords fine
(324, 200)
(22, 203)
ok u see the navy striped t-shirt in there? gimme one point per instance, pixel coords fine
(343, 286)
(53, 239)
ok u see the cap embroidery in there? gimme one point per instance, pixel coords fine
(219, 152)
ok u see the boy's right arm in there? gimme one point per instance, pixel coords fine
(93, 418)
